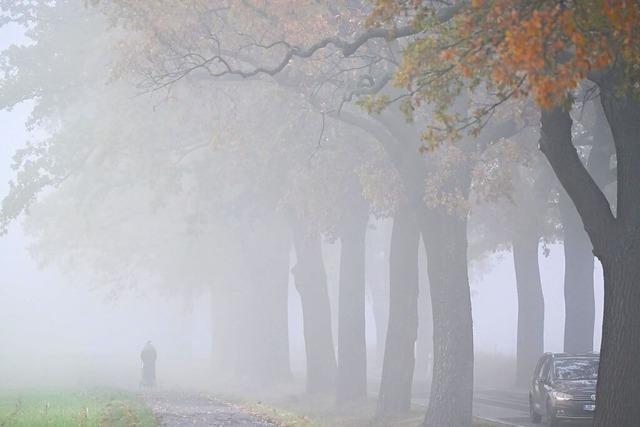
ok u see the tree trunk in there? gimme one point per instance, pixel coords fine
(311, 283)
(399, 357)
(618, 402)
(615, 241)
(530, 341)
(269, 265)
(445, 239)
(578, 251)
(618, 379)
(424, 344)
(380, 306)
(579, 298)
(377, 268)
(351, 382)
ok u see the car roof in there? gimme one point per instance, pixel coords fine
(574, 355)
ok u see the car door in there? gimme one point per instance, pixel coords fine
(539, 382)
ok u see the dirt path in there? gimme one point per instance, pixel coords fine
(195, 410)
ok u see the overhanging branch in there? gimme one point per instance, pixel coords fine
(591, 203)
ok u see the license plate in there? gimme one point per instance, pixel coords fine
(589, 407)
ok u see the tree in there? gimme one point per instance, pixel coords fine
(222, 47)
(250, 189)
(593, 142)
(442, 207)
(377, 274)
(399, 362)
(543, 50)
(326, 195)
(513, 192)
(352, 347)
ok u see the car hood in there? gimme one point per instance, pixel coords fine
(581, 386)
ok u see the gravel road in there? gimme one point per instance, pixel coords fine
(197, 410)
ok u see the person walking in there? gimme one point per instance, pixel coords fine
(148, 356)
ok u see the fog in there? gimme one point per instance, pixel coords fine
(72, 333)
(57, 332)
(283, 214)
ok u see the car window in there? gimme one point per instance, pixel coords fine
(538, 371)
(544, 372)
(575, 369)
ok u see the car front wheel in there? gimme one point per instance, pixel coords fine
(535, 417)
(552, 421)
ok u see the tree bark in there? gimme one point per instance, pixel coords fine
(616, 243)
(377, 268)
(618, 392)
(445, 239)
(311, 283)
(578, 252)
(579, 298)
(380, 306)
(351, 382)
(530, 341)
(424, 343)
(399, 358)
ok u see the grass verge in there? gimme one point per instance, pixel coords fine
(73, 409)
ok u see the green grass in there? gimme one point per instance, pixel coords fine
(73, 409)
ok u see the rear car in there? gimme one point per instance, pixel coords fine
(564, 388)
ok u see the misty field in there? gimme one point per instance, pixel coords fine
(73, 409)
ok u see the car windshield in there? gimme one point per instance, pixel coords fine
(576, 369)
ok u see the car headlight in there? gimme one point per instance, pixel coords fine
(558, 395)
